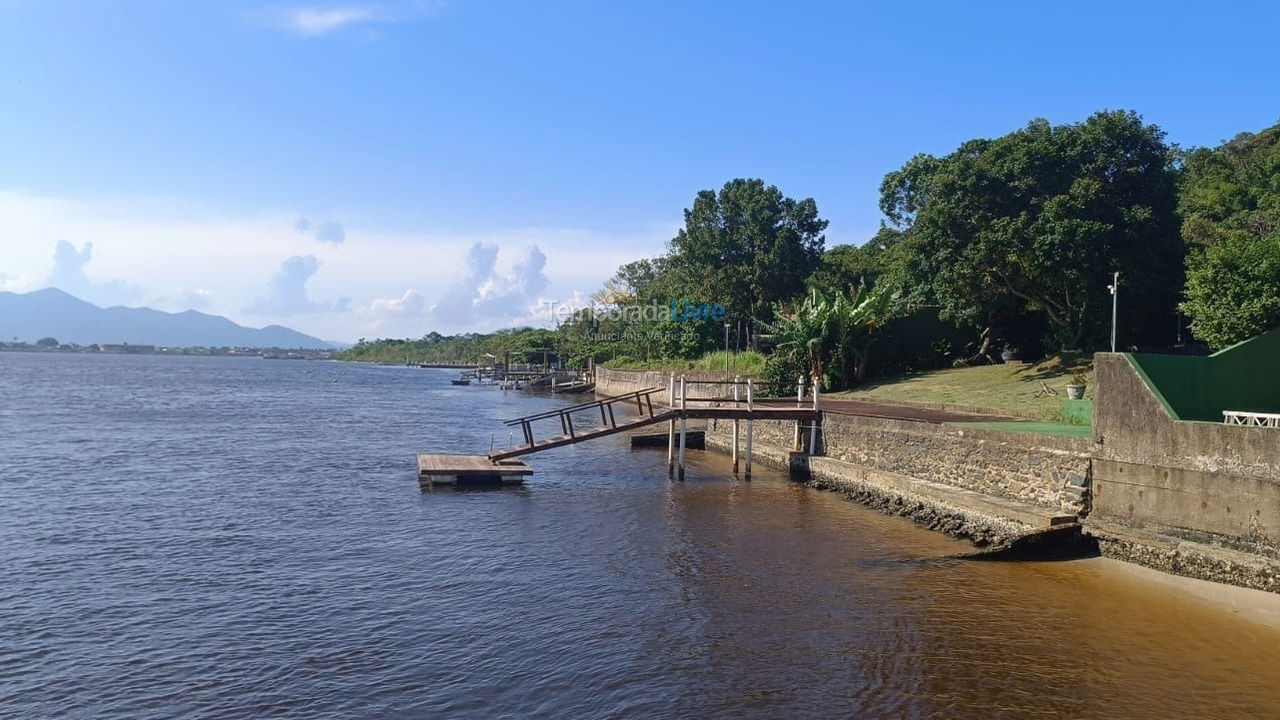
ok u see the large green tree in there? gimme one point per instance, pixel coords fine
(747, 247)
(1039, 219)
(1230, 207)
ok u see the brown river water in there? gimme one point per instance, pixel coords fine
(232, 538)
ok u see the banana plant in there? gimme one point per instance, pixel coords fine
(824, 329)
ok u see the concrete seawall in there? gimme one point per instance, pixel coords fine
(986, 486)
(1189, 498)
(1199, 499)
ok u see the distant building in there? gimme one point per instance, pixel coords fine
(126, 348)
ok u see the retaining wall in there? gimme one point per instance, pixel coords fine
(1202, 482)
(621, 382)
(1046, 471)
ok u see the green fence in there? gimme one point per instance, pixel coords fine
(1245, 376)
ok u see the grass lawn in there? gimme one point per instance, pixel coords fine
(1011, 388)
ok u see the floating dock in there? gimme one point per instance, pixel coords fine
(439, 469)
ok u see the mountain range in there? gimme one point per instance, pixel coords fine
(54, 313)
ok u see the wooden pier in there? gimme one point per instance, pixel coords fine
(438, 469)
(676, 411)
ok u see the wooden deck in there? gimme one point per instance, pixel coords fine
(450, 469)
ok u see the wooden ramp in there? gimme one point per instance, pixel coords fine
(454, 469)
(641, 402)
(609, 425)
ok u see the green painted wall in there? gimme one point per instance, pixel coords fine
(1242, 377)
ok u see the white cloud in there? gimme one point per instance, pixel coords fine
(287, 291)
(326, 232)
(69, 276)
(314, 22)
(483, 298)
(163, 250)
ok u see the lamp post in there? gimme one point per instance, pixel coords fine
(1114, 287)
(726, 345)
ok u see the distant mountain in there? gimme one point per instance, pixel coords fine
(54, 313)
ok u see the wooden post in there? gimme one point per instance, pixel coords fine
(735, 425)
(795, 443)
(684, 404)
(813, 428)
(750, 407)
(671, 427)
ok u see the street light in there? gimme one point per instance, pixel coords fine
(1114, 287)
(726, 345)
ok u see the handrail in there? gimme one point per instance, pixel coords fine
(583, 406)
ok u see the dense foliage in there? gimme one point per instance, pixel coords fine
(828, 337)
(1230, 204)
(524, 344)
(1038, 220)
(747, 247)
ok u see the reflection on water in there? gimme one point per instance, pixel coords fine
(237, 538)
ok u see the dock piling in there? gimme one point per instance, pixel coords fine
(671, 427)
(796, 442)
(684, 406)
(750, 407)
(736, 380)
(813, 428)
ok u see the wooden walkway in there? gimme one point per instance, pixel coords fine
(677, 410)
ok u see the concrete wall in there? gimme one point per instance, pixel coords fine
(1134, 427)
(1198, 481)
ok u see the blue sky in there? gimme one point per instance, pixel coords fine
(389, 168)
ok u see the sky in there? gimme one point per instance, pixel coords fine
(385, 169)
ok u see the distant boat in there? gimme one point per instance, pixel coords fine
(461, 381)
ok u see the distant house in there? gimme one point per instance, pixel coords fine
(126, 348)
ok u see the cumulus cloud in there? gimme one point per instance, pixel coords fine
(485, 294)
(329, 232)
(69, 276)
(483, 297)
(411, 304)
(287, 291)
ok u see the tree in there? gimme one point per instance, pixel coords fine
(747, 247)
(1039, 219)
(47, 342)
(831, 335)
(847, 266)
(1230, 205)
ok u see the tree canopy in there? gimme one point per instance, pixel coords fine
(1039, 219)
(1229, 200)
(747, 247)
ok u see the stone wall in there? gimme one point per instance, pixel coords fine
(621, 382)
(1047, 471)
